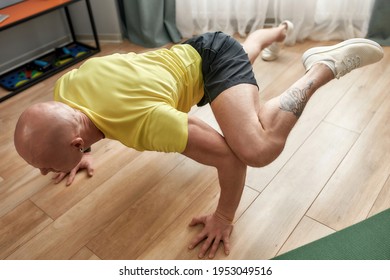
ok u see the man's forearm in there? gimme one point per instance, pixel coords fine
(207, 146)
(232, 180)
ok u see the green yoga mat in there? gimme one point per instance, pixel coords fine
(367, 240)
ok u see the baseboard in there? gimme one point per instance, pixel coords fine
(104, 38)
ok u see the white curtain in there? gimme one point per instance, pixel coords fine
(313, 19)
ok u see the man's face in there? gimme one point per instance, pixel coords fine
(53, 160)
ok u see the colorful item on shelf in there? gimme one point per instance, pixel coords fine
(32, 70)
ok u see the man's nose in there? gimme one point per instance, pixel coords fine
(44, 171)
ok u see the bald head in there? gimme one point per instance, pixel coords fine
(45, 134)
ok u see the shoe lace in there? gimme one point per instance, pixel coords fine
(348, 64)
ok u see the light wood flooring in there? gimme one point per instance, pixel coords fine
(334, 172)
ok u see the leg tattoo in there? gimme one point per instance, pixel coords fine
(295, 99)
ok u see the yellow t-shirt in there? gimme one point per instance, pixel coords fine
(141, 100)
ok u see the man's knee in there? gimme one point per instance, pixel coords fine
(261, 155)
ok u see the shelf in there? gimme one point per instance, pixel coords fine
(28, 9)
(20, 78)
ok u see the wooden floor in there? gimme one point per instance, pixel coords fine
(334, 172)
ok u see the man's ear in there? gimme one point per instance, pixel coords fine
(78, 143)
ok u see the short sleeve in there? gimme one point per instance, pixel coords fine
(165, 130)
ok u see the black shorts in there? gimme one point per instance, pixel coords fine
(224, 64)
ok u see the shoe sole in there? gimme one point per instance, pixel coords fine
(320, 50)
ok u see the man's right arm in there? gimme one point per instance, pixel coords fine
(207, 146)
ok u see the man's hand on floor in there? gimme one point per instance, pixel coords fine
(214, 231)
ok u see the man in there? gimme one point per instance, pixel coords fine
(142, 100)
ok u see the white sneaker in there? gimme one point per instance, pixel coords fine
(272, 51)
(342, 58)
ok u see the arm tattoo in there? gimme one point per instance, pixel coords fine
(295, 99)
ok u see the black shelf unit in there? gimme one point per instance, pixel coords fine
(55, 65)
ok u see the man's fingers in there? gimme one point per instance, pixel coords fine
(199, 238)
(226, 244)
(213, 233)
(90, 171)
(214, 248)
(71, 176)
(206, 245)
(58, 177)
(197, 220)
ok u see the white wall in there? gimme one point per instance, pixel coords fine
(37, 36)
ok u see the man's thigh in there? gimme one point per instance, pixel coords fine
(236, 111)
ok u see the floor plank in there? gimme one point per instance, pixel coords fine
(383, 200)
(180, 231)
(85, 254)
(357, 107)
(307, 231)
(20, 225)
(26, 182)
(353, 189)
(133, 231)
